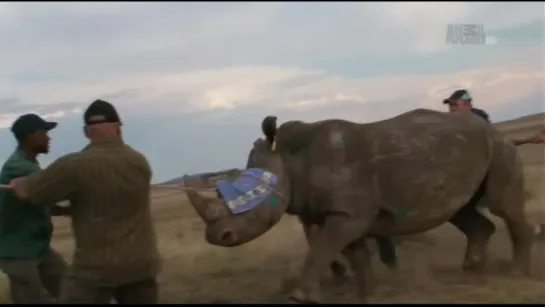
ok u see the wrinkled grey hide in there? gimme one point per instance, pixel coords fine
(404, 175)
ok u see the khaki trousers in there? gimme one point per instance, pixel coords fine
(35, 281)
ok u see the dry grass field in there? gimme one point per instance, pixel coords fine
(430, 269)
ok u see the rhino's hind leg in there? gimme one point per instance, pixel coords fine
(520, 232)
(506, 199)
(478, 229)
(387, 252)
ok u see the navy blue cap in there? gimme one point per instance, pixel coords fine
(30, 123)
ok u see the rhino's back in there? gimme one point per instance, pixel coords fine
(426, 164)
(429, 121)
(294, 134)
(426, 132)
(420, 163)
(423, 164)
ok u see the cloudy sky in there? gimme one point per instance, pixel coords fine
(192, 81)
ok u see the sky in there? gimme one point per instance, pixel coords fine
(192, 81)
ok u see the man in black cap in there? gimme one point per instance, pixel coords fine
(108, 185)
(26, 256)
(461, 100)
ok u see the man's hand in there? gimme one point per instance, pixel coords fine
(539, 138)
(18, 187)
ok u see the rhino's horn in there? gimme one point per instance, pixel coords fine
(198, 202)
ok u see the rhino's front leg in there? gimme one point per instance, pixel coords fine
(338, 268)
(336, 234)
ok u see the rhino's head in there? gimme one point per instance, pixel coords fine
(228, 222)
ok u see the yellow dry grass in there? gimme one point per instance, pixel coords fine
(429, 269)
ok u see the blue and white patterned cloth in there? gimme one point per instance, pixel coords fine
(248, 191)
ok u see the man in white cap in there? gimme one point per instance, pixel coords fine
(461, 100)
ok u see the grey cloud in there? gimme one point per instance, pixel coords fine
(88, 41)
(9, 103)
(212, 140)
(124, 94)
(221, 139)
(531, 104)
(16, 107)
(297, 82)
(137, 39)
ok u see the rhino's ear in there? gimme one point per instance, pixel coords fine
(268, 126)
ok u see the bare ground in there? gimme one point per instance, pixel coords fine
(430, 264)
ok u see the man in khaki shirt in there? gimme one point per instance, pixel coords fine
(108, 186)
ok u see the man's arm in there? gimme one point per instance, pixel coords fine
(51, 185)
(536, 139)
(539, 138)
(521, 141)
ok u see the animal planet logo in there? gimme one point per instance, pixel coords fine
(469, 34)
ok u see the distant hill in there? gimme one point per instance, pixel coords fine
(529, 122)
(532, 120)
(202, 177)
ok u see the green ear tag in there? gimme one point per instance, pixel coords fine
(272, 201)
(401, 213)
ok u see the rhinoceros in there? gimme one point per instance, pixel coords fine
(385, 246)
(423, 167)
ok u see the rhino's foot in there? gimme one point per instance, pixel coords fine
(393, 268)
(519, 269)
(478, 230)
(539, 232)
(340, 272)
(303, 297)
(517, 272)
(522, 239)
(474, 263)
(339, 269)
(362, 300)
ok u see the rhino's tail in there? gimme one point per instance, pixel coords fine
(268, 126)
(387, 252)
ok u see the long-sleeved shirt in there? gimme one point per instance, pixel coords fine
(108, 186)
(25, 230)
